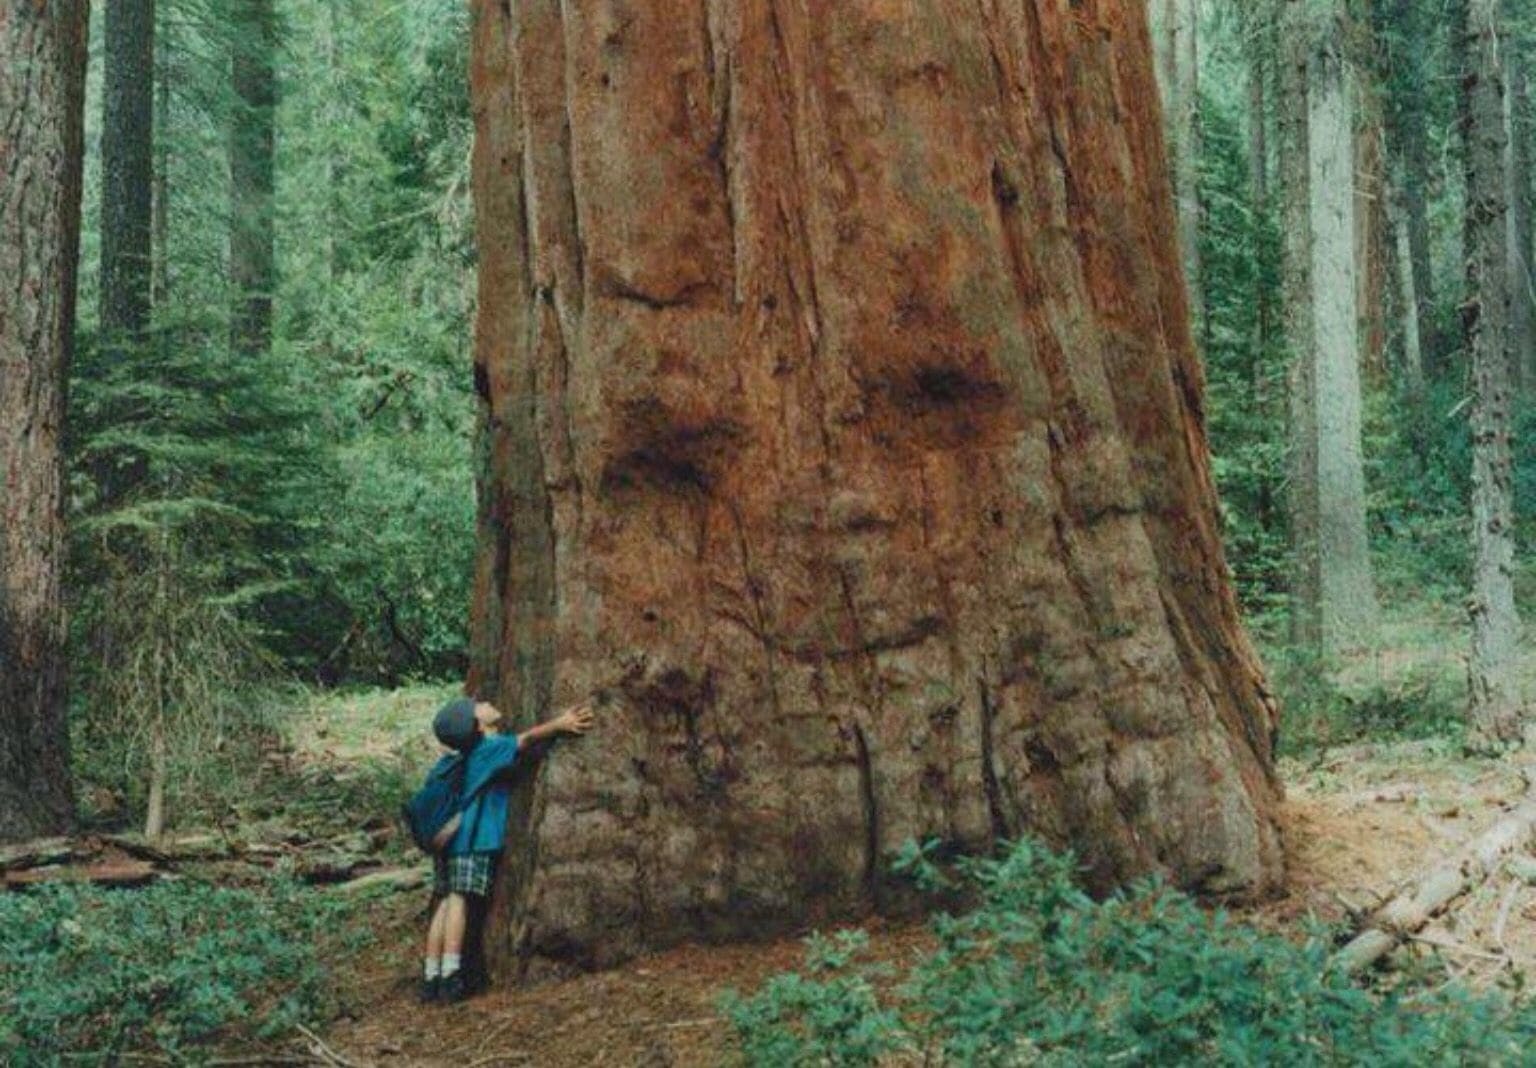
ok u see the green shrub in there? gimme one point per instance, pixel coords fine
(1322, 709)
(90, 974)
(1039, 973)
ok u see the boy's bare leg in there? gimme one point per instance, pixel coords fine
(455, 913)
(437, 929)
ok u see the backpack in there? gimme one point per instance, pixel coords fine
(434, 813)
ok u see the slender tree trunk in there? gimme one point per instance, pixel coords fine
(1176, 26)
(1259, 65)
(1334, 601)
(1346, 592)
(1296, 289)
(127, 173)
(252, 250)
(1521, 282)
(154, 808)
(1372, 240)
(160, 282)
(843, 431)
(42, 86)
(330, 49)
(1262, 63)
(1412, 367)
(1408, 135)
(1495, 710)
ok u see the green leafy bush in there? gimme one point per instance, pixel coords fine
(1325, 708)
(88, 974)
(1039, 973)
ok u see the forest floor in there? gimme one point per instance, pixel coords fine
(1361, 819)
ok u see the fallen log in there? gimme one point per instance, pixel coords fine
(1412, 908)
(110, 873)
(390, 879)
(334, 869)
(36, 853)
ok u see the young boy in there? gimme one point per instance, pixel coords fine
(466, 868)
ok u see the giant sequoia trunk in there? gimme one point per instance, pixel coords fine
(842, 424)
(42, 80)
(1496, 704)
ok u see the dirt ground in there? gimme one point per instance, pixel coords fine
(1364, 820)
(1361, 821)
(659, 1011)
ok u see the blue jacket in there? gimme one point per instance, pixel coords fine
(484, 827)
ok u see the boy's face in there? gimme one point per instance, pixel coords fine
(488, 716)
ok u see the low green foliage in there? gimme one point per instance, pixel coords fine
(1039, 973)
(1324, 707)
(175, 968)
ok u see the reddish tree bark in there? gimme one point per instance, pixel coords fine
(842, 424)
(42, 79)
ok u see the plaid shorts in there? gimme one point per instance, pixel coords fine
(464, 873)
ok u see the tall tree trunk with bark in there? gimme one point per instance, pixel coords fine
(1372, 238)
(1176, 32)
(1495, 711)
(1296, 290)
(842, 430)
(1522, 284)
(1334, 596)
(42, 86)
(127, 173)
(1411, 368)
(252, 250)
(1260, 31)
(1408, 141)
(160, 277)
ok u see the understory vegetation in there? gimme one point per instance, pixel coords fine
(1039, 973)
(169, 972)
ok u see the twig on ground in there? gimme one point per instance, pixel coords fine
(702, 1021)
(324, 1052)
(1353, 909)
(1457, 947)
(1505, 907)
(495, 1058)
(495, 1033)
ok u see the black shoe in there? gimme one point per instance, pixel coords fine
(453, 989)
(431, 990)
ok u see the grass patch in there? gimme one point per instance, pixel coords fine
(350, 725)
(1409, 685)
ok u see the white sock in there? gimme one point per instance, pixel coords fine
(450, 964)
(434, 966)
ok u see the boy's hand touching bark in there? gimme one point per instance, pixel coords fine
(578, 719)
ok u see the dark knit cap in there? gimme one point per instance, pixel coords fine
(455, 724)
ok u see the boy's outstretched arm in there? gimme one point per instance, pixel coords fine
(577, 719)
